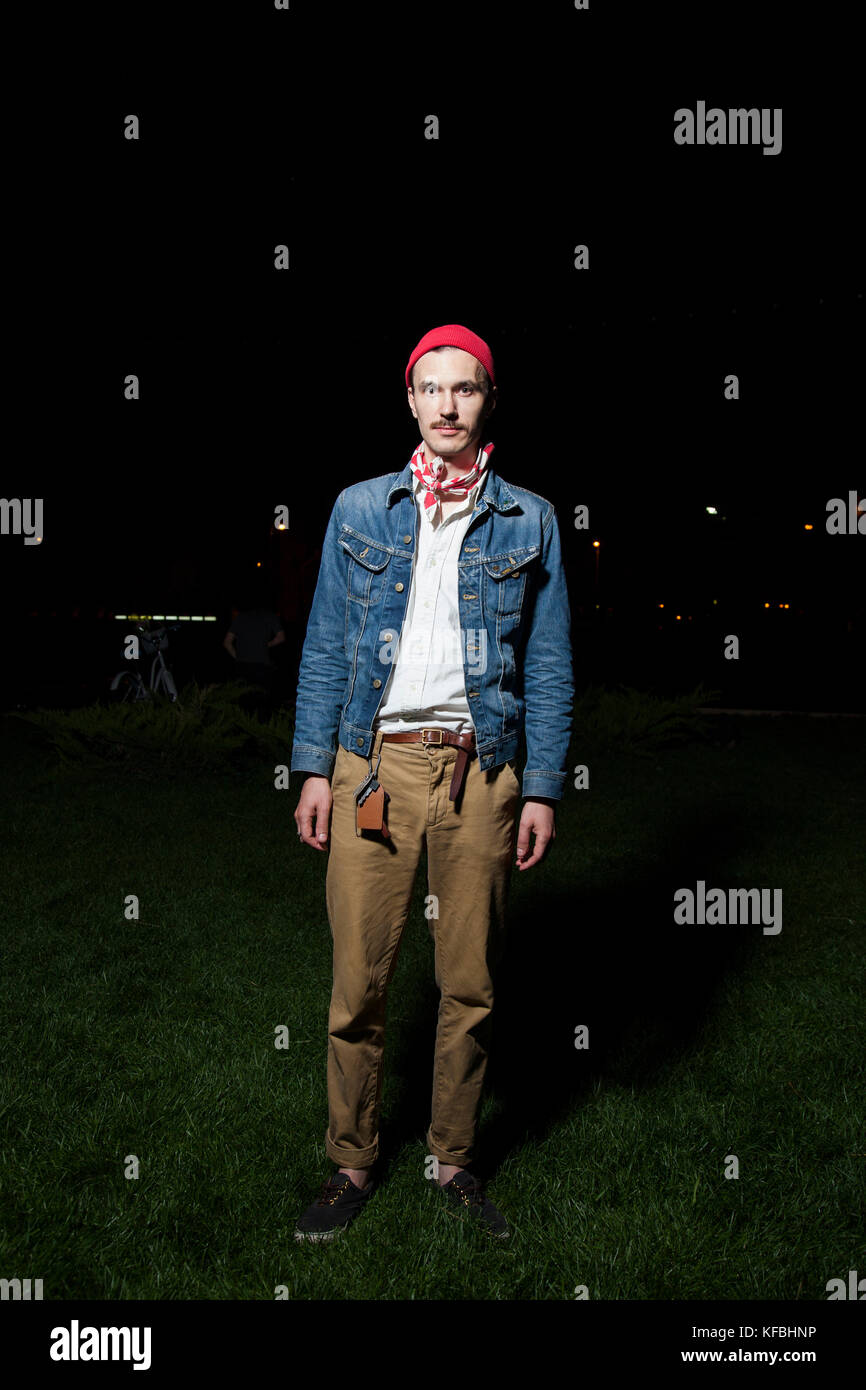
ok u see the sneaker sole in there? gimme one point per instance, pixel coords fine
(301, 1236)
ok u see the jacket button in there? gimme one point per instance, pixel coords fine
(387, 636)
(399, 588)
(364, 551)
(376, 684)
(359, 742)
(407, 540)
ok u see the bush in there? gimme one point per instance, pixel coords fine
(205, 729)
(640, 721)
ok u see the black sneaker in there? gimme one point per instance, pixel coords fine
(337, 1205)
(466, 1196)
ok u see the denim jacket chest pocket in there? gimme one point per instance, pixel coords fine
(367, 570)
(505, 579)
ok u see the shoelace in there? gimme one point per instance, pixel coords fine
(332, 1186)
(471, 1196)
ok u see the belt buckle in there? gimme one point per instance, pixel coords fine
(436, 741)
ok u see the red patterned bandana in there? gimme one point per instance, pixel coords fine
(439, 487)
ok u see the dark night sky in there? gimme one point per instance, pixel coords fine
(261, 387)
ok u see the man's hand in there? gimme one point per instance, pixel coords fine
(313, 811)
(537, 818)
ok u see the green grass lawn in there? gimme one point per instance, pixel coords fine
(155, 1038)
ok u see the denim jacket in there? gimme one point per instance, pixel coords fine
(514, 618)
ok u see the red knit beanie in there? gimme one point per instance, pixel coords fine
(454, 335)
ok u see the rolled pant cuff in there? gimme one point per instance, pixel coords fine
(351, 1158)
(455, 1160)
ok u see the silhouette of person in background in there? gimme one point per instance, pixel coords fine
(255, 630)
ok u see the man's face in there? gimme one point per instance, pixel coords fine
(448, 392)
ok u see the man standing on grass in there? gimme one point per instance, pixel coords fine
(439, 632)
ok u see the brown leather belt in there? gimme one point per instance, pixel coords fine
(464, 743)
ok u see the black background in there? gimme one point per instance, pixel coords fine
(261, 387)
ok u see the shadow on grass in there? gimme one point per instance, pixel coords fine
(609, 956)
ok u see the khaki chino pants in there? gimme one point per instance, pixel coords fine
(471, 845)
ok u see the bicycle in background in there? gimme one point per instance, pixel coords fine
(128, 685)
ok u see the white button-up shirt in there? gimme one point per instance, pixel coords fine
(426, 687)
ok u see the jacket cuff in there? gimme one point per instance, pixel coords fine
(549, 784)
(306, 757)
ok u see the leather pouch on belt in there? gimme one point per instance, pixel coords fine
(370, 815)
